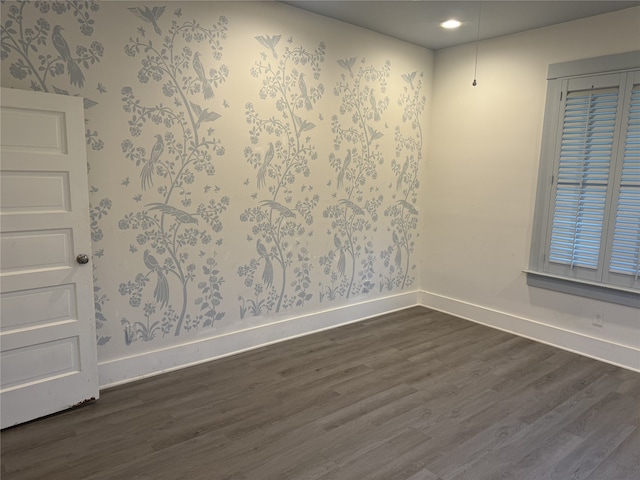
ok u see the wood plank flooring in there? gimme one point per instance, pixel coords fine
(413, 395)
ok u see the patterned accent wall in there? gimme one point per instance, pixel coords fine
(247, 162)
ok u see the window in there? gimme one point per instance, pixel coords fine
(586, 237)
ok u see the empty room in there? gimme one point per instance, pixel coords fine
(320, 240)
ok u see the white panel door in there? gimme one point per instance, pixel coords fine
(47, 322)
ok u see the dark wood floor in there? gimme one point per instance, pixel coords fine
(414, 395)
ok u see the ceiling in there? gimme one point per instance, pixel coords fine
(418, 21)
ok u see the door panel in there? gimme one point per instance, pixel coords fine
(38, 306)
(21, 122)
(47, 322)
(31, 192)
(23, 252)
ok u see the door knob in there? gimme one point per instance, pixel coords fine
(82, 258)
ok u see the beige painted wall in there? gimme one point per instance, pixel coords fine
(482, 174)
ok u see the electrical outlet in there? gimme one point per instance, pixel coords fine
(598, 319)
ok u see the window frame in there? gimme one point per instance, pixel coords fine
(610, 287)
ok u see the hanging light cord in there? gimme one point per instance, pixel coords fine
(475, 70)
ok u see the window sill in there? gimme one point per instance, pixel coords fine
(596, 291)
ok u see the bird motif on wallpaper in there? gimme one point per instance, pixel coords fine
(204, 115)
(180, 215)
(262, 172)
(199, 69)
(303, 125)
(278, 207)
(402, 174)
(267, 274)
(150, 15)
(343, 170)
(75, 74)
(161, 292)
(303, 92)
(347, 64)
(373, 134)
(374, 106)
(409, 77)
(269, 42)
(398, 258)
(146, 175)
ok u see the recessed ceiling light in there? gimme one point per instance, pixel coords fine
(451, 24)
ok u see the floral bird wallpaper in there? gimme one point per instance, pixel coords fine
(248, 162)
(283, 206)
(169, 228)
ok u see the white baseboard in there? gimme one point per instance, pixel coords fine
(136, 367)
(597, 348)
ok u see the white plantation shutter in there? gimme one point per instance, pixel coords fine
(625, 251)
(586, 146)
(586, 235)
